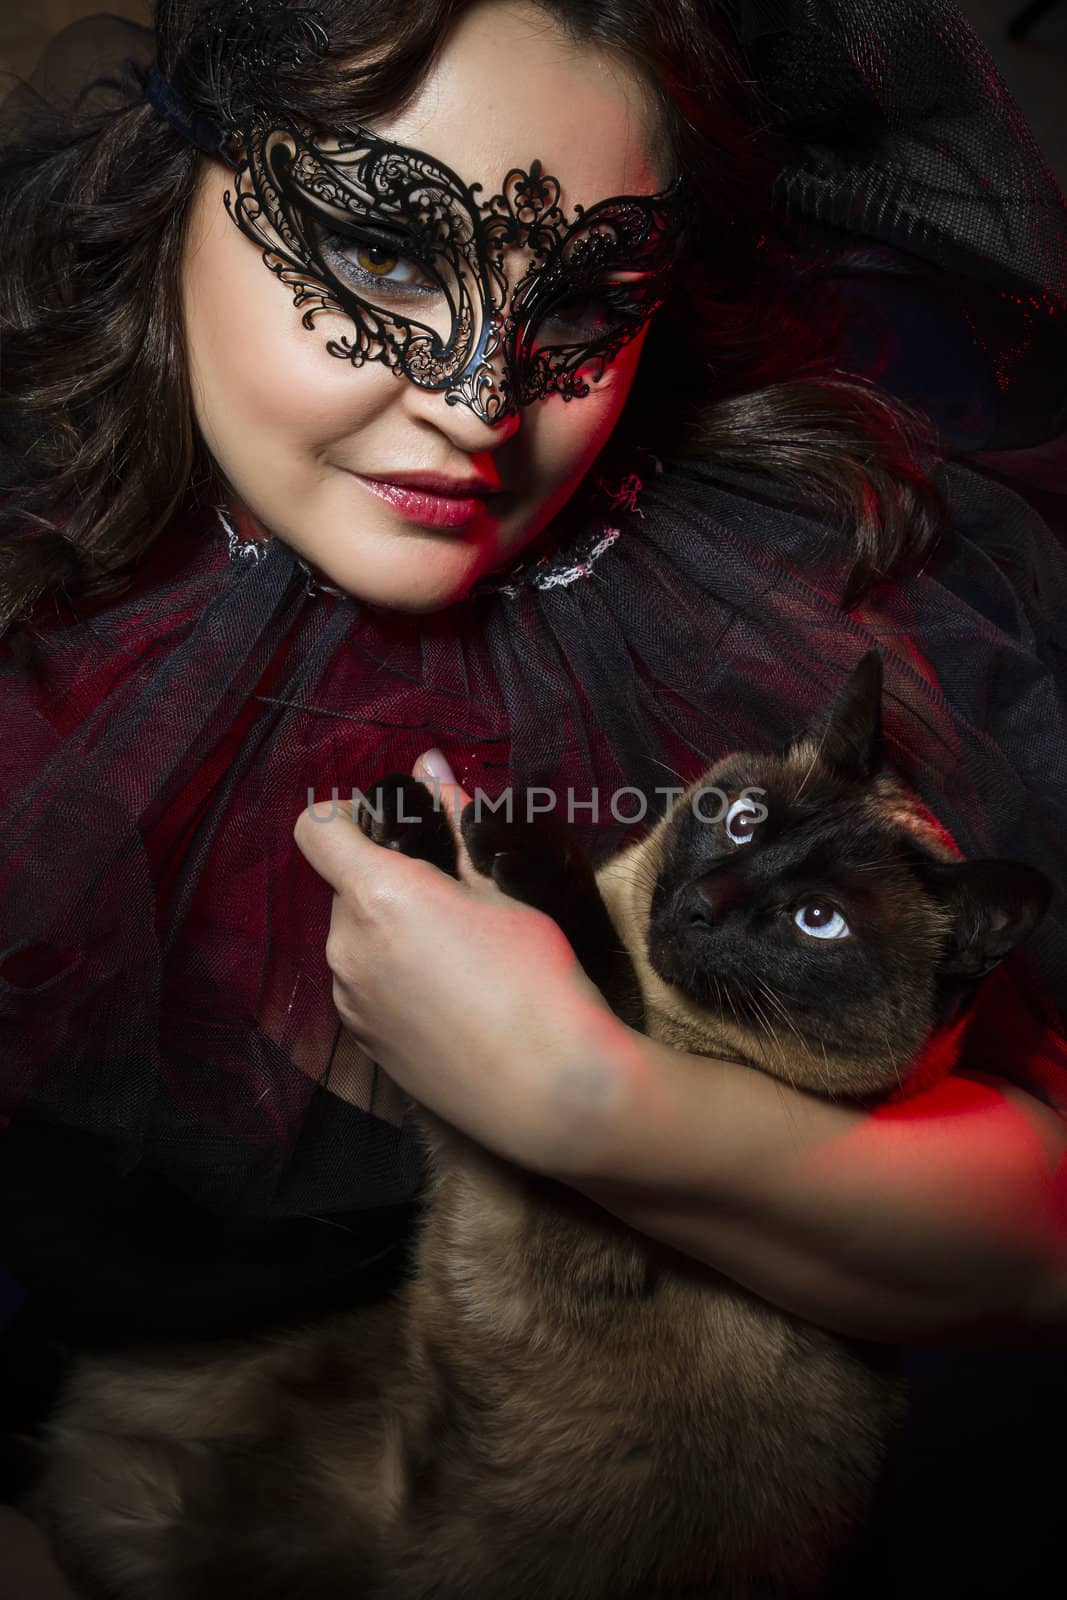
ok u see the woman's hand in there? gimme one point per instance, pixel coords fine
(473, 1003)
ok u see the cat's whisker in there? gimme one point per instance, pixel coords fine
(783, 1099)
(893, 1059)
(785, 1075)
(779, 1005)
(814, 760)
(767, 1027)
(755, 1004)
(673, 771)
(646, 877)
(728, 989)
(761, 1018)
(781, 1008)
(802, 1043)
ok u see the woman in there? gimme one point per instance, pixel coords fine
(196, 1145)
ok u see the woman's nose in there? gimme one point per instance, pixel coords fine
(487, 389)
(487, 394)
(478, 413)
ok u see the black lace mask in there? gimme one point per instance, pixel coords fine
(338, 212)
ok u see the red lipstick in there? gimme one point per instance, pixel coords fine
(431, 498)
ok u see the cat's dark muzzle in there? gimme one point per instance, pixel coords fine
(697, 943)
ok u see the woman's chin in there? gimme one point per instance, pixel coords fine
(408, 585)
(412, 574)
(415, 606)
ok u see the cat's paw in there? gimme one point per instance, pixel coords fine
(533, 860)
(540, 862)
(399, 813)
(536, 861)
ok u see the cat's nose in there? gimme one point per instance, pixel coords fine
(713, 896)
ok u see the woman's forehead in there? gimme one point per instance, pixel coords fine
(508, 88)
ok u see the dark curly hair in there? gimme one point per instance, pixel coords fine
(93, 375)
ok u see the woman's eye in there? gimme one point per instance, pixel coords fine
(588, 315)
(380, 264)
(580, 313)
(373, 264)
(821, 920)
(740, 821)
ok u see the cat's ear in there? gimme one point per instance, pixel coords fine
(995, 905)
(847, 731)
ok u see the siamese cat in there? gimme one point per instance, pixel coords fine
(555, 1407)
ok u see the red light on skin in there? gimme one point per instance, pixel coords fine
(1014, 1140)
(1019, 1204)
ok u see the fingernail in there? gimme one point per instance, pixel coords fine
(436, 766)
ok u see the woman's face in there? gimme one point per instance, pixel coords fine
(289, 424)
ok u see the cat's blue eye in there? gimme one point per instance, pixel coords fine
(741, 819)
(821, 920)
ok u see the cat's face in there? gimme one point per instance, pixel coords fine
(839, 920)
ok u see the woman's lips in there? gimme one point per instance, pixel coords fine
(431, 510)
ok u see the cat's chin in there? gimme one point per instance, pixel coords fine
(677, 964)
(706, 968)
(727, 994)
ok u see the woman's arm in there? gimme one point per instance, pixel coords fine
(942, 1218)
